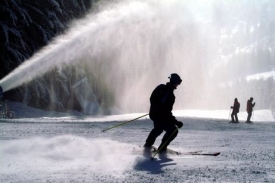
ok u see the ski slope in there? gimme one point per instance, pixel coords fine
(57, 147)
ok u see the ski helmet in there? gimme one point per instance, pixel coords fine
(175, 79)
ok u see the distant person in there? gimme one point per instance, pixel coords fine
(235, 111)
(162, 100)
(249, 109)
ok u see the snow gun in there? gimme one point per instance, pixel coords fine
(1, 91)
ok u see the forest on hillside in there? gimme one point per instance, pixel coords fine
(26, 26)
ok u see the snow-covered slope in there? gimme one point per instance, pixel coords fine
(263, 76)
(63, 149)
(24, 113)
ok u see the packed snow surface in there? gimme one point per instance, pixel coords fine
(40, 146)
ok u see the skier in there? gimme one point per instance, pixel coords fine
(236, 108)
(249, 109)
(162, 100)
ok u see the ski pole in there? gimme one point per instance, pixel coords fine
(123, 123)
(159, 149)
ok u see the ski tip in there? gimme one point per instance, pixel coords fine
(204, 154)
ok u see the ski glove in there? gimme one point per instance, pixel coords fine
(179, 124)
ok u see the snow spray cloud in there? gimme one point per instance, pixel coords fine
(140, 43)
(134, 45)
(66, 152)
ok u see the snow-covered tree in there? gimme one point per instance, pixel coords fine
(25, 27)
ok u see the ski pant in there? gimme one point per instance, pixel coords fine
(249, 116)
(236, 116)
(171, 133)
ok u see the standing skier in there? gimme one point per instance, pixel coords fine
(236, 108)
(249, 109)
(162, 100)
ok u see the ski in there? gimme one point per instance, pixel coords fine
(194, 153)
(150, 151)
(202, 153)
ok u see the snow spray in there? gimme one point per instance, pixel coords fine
(134, 45)
(131, 40)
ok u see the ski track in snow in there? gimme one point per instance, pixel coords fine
(71, 151)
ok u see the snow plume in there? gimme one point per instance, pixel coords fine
(63, 153)
(130, 44)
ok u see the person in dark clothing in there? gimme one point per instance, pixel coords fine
(235, 111)
(162, 100)
(249, 109)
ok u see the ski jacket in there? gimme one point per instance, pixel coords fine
(249, 106)
(162, 100)
(236, 107)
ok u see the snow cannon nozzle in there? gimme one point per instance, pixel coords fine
(1, 91)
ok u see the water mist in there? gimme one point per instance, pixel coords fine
(132, 46)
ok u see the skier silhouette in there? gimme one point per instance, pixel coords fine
(236, 108)
(162, 100)
(249, 109)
